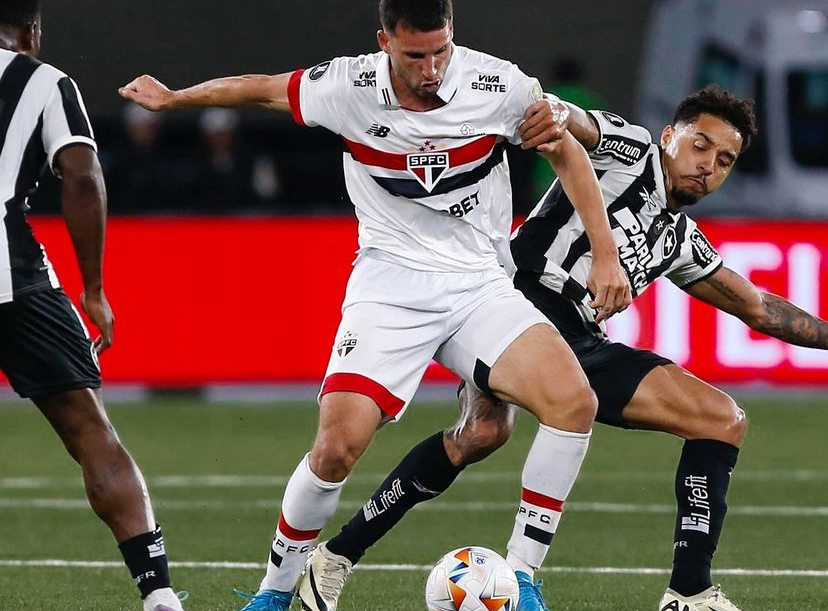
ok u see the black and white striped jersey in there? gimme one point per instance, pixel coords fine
(41, 113)
(652, 240)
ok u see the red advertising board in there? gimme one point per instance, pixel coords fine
(210, 300)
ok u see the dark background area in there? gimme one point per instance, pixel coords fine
(102, 45)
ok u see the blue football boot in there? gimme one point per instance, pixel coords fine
(531, 598)
(267, 600)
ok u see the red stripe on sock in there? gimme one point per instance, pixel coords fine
(541, 500)
(297, 535)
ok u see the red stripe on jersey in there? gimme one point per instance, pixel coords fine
(353, 382)
(294, 534)
(468, 153)
(541, 500)
(293, 96)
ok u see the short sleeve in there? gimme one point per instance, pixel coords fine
(700, 262)
(523, 92)
(317, 95)
(619, 141)
(65, 121)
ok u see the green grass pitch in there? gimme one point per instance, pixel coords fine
(216, 473)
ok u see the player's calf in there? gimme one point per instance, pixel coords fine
(485, 424)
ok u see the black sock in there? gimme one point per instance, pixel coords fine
(702, 478)
(423, 473)
(146, 560)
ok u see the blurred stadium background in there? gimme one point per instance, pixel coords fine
(230, 242)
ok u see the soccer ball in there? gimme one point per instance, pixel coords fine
(471, 579)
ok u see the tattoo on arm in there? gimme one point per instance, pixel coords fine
(726, 290)
(791, 324)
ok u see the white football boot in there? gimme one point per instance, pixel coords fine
(712, 599)
(165, 599)
(325, 575)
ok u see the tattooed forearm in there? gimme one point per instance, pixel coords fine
(791, 324)
(724, 288)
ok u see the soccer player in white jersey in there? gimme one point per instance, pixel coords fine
(645, 187)
(424, 123)
(45, 349)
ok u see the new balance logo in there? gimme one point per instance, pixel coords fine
(380, 131)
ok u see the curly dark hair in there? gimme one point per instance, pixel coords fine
(17, 13)
(422, 15)
(713, 100)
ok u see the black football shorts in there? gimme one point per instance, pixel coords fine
(44, 346)
(614, 370)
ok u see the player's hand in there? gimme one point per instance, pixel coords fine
(148, 92)
(544, 121)
(96, 306)
(608, 282)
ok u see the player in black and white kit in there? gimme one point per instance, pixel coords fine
(645, 187)
(45, 350)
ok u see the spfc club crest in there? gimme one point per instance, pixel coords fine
(345, 345)
(428, 166)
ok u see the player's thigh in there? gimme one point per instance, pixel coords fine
(673, 400)
(381, 351)
(615, 372)
(505, 346)
(44, 346)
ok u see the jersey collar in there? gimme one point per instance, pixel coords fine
(448, 88)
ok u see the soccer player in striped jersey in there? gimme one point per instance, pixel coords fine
(45, 350)
(424, 123)
(646, 187)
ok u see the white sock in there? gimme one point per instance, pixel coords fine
(162, 596)
(548, 475)
(308, 504)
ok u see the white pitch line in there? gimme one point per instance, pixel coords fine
(492, 477)
(595, 570)
(441, 506)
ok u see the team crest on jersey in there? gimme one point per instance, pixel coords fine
(345, 346)
(428, 165)
(319, 70)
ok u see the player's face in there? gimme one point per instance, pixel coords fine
(419, 59)
(698, 157)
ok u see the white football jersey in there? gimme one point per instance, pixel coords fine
(430, 188)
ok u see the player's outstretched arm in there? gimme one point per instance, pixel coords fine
(607, 280)
(270, 91)
(84, 209)
(765, 312)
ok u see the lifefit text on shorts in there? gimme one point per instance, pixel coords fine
(387, 498)
(698, 498)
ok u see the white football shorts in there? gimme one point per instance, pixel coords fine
(395, 320)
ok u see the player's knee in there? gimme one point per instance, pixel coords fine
(723, 420)
(733, 422)
(333, 459)
(89, 437)
(572, 407)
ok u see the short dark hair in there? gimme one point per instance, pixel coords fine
(713, 100)
(17, 13)
(422, 15)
